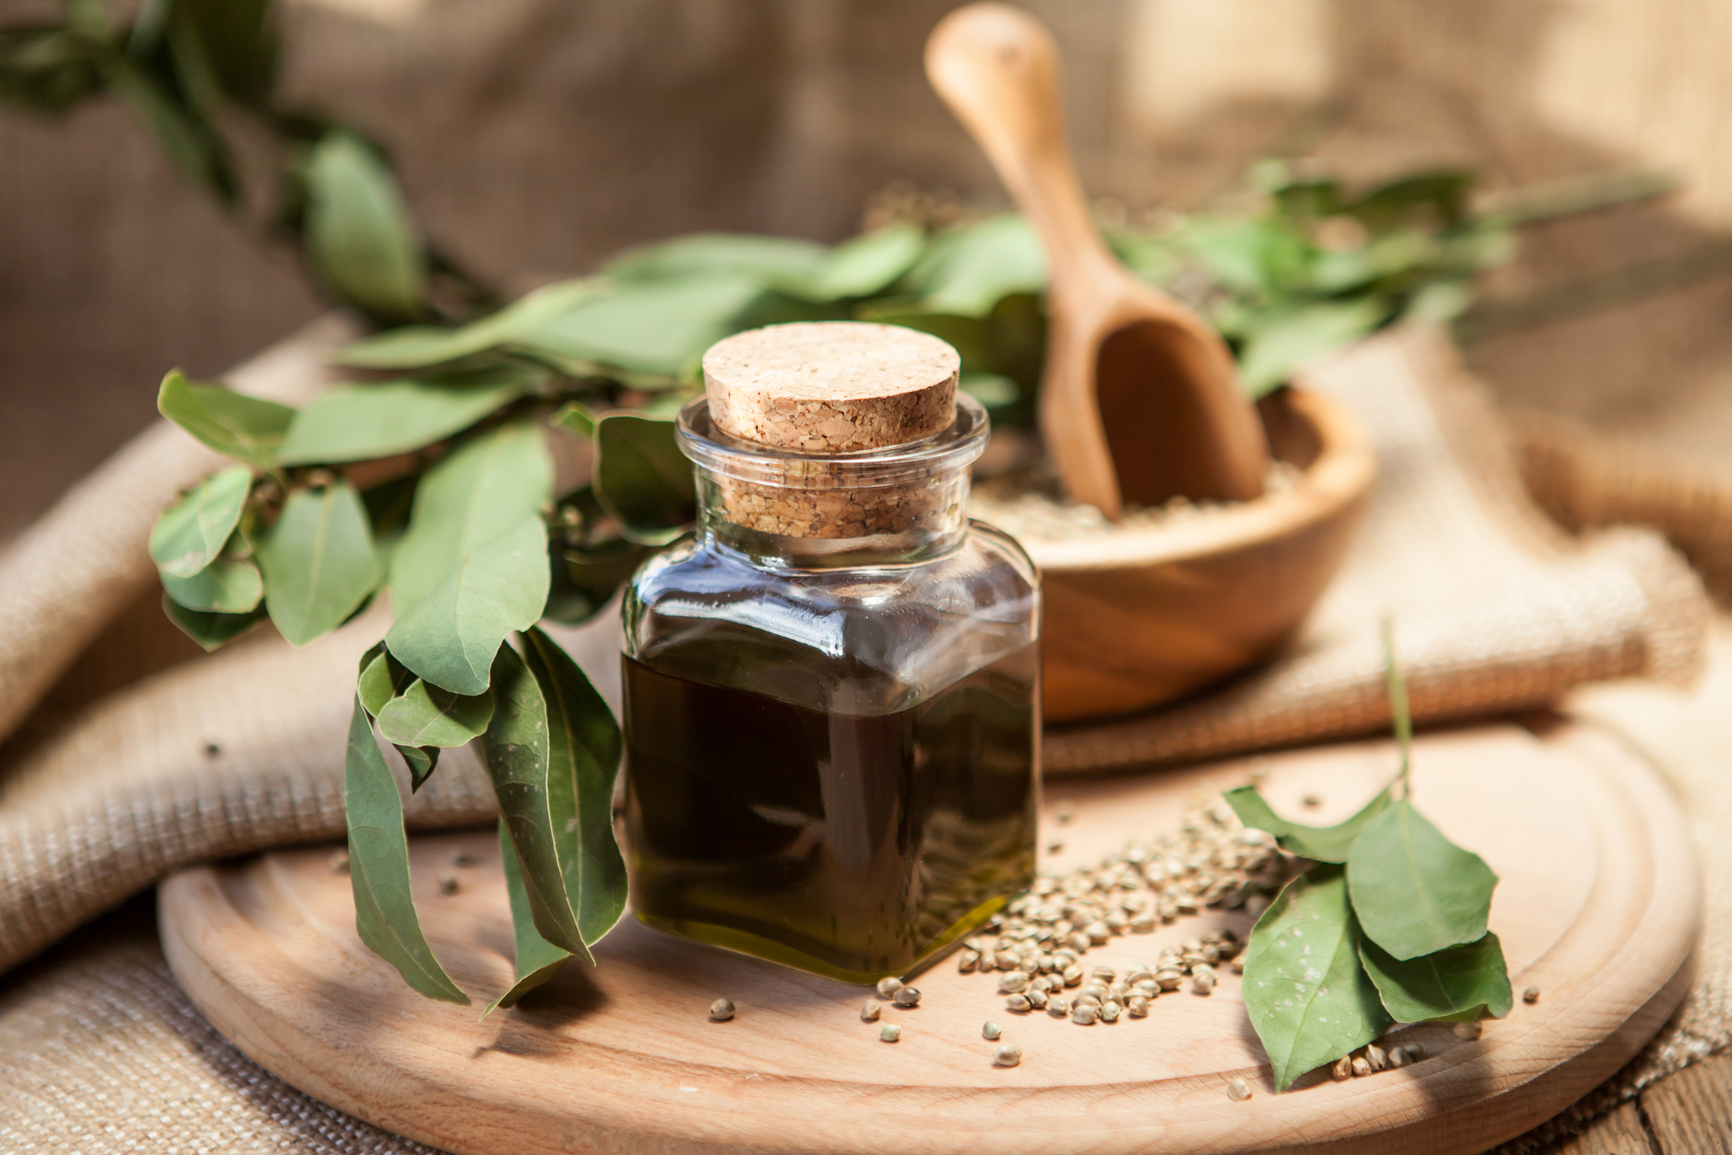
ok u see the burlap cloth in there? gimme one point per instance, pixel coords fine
(100, 1052)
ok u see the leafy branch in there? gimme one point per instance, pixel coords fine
(1388, 925)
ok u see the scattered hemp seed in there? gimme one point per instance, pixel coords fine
(907, 997)
(462, 859)
(338, 862)
(1017, 1003)
(1312, 800)
(1006, 1055)
(991, 1031)
(969, 962)
(1010, 982)
(1057, 1006)
(1398, 1058)
(870, 1010)
(1361, 1068)
(1084, 1015)
(890, 1032)
(1203, 979)
(1037, 999)
(1468, 1031)
(1063, 811)
(1109, 1012)
(1238, 1090)
(1056, 846)
(1137, 1007)
(448, 884)
(721, 1010)
(1531, 996)
(212, 750)
(1342, 1070)
(887, 988)
(1073, 975)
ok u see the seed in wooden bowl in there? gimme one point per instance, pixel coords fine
(721, 1010)
(1469, 1031)
(1376, 1057)
(1238, 1090)
(1531, 996)
(890, 1032)
(1361, 1068)
(1342, 1069)
(869, 1010)
(1006, 1055)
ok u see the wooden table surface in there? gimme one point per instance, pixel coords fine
(1689, 1113)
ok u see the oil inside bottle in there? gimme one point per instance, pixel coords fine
(849, 845)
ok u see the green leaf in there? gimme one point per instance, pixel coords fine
(1443, 194)
(319, 562)
(358, 230)
(575, 417)
(245, 428)
(190, 534)
(585, 579)
(1415, 891)
(487, 484)
(47, 69)
(379, 867)
(584, 749)
(428, 716)
(361, 422)
(423, 346)
(765, 260)
(1318, 843)
(642, 478)
(238, 43)
(1309, 998)
(382, 678)
(450, 637)
(536, 960)
(211, 631)
(970, 268)
(658, 327)
(226, 586)
(190, 141)
(422, 761)
(555, 795)
(1460, 985)
(868, 264)
(1281, 345)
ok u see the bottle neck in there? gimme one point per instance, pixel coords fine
(833, 525)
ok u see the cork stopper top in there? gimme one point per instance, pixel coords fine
(832, 386)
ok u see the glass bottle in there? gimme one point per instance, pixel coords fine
(832, 694)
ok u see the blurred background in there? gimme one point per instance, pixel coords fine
(535, 136)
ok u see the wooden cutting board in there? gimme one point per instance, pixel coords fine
(1598, 907)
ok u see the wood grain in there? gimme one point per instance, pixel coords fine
(1598, 906)
(1620, 1133)
(1691, 1111)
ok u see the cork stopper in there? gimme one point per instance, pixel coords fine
(831, 386)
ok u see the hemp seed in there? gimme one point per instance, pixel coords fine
(991, 1031)
(907, 997)
(1006, 1055)
(890, 1032)
(888, 987)
(1342, 1070)
(1238, 1090)
(721, 1010)
(869, 1010)
(1531, 996)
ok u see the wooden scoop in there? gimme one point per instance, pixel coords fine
(1140, 400)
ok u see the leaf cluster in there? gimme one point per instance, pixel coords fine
(1387, 926)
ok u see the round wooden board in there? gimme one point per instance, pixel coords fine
(1598, 907)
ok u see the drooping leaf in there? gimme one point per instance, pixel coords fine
(361, 422)
(1318, 843)
(536, 960)
(1282, 345)
(868, 264)
(450, 637)
(1415, 891)
(425, 715)
(358, 231)
(422, 761)
(181, 127)
(970, 268)
(423, 346)
(239, 45)
(642, 478)
(190, 534)
(1458, 985)
(381, 678)
(766, 260)
(225, 586)
(1309, 999)
(385, 915)
(656, 327)
(490, 483)
(583, 758)
(318, 560)
(211, 631)
(248, 429)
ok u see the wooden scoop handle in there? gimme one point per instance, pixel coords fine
(998, 70)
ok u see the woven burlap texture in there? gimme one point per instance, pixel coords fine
(242, 750)
(1494, 608)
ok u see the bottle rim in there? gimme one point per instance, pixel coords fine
(956, 447)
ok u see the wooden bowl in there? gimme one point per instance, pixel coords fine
(1139, 618)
